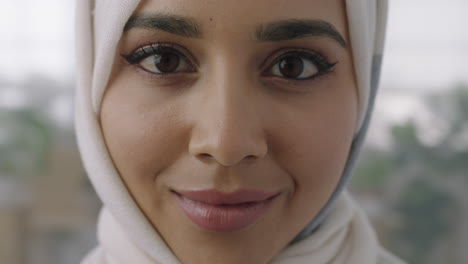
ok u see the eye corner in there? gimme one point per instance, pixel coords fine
(330, 66)
(130, 58)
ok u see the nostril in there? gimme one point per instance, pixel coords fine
(204, 155)
(251, 157)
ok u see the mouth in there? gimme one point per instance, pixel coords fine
(213, 210)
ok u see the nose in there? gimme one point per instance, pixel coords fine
(227, 126)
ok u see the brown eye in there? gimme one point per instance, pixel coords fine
(160, 60)
(291, 67)
(295, 67)
(166, 62)
(163, 62)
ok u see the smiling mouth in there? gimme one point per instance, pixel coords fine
(213, 210)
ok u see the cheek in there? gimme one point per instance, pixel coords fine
(313, 147)
(316, 155)
(142, 139)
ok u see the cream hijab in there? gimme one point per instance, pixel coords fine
(126, 236)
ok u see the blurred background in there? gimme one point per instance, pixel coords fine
(412, 178)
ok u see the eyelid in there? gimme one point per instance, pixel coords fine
(279, 54)
(182, 51)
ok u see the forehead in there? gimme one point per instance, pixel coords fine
(217, 17)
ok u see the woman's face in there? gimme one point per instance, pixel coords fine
(230, 121)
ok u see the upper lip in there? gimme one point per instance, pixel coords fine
(216, 197)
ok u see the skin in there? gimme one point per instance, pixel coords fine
(226, 126)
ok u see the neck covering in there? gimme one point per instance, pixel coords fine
(126, 236)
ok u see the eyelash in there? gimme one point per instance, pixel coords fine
(323, 65)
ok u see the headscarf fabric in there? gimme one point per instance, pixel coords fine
(124, 233)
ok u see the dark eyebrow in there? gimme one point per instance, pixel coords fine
(178, 25)
(275, 31)
(298, 28)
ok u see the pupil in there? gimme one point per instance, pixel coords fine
(291, 67)
(166, 62)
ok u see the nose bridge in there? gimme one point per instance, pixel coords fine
(227, 126)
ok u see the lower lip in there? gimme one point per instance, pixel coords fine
(223, 218)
